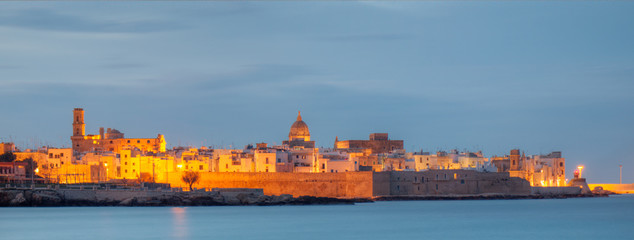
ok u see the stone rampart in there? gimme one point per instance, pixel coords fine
(340, 185)
(546, 191)
(455, 182)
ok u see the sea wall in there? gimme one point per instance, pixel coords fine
(455, 182)
(555, 191)
(339, 185)
(367, 184)
(616, 188)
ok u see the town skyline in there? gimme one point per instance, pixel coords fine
(85, 132)
(551, 77)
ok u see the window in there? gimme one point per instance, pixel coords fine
(128, 141)
(436, 186)
(132, 164)
(323, 166)
(133, 170)
(126, 163)
(200, 167)
(227, 166)
(455, 176)
(126, 171)
(61, 154)
(561, 164)
(296, 156)
(461, 181)
(445, 176)
(110, 141)
(267, 169)
(50, 155)
(138, 141)
(398, 187)
(267, 160)
(125, 155)
(148, 141)
(415, 179)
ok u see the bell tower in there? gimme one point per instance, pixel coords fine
(79, 128)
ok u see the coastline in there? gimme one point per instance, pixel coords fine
(229, 197)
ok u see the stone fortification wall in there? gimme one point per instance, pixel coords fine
(367, 184)
(455, 182)
(555, 190)
(341, 185)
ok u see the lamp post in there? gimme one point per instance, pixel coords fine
(620, 174)
(580, 170)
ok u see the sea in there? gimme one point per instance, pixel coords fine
(573, 218)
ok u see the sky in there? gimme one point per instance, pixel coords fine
(491, 76)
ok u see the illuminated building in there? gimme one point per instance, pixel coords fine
(112, 140)
(378, 143)
(539, 170)
(299, 135)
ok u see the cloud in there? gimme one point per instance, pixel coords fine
(123, 65)
(370, 37)
(43, 19)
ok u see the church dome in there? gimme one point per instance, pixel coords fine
(299, 129)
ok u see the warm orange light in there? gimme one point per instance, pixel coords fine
(179, 166)
(580, 167)
(37, 170)
(105, 164)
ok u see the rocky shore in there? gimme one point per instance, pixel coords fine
(55, 198)
(218, 197)
(485, 197)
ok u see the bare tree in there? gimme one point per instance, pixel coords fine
(191, 178)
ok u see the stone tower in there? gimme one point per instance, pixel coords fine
(515, 160)
(79, 128)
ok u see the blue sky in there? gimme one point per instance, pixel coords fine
(490, 76)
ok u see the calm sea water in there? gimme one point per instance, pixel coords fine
(580, 218)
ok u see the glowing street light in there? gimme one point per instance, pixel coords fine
(580, 167)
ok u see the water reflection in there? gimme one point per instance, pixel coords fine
(179, 223)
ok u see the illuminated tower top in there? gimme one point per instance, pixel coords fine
(79, 128)
(299, 129)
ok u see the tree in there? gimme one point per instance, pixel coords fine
(30, 168)
(7, 157)
(191, 178)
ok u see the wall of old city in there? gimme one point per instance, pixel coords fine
(344, 185)
(455, 182)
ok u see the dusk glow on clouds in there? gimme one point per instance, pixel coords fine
(488, 76)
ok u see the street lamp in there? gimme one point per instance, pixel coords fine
(580, 167)
(620, 174)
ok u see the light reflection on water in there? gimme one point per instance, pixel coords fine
(584, 218)
(179, 224)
